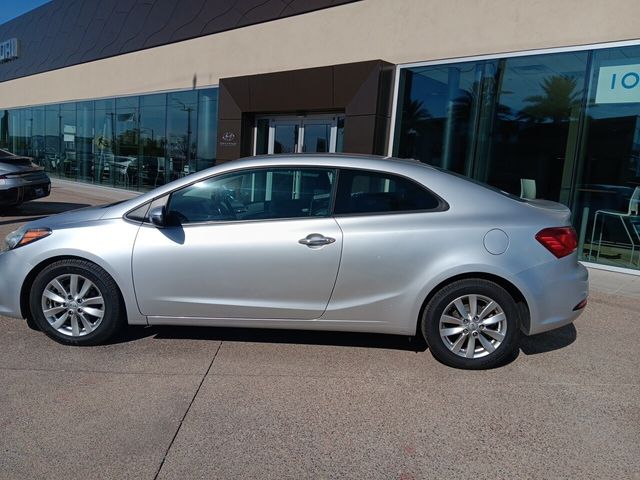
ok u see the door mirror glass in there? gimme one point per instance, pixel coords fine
(157, 216)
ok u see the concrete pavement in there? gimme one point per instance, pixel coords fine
(228, 403)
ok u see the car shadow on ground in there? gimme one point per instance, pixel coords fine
(549, 341)
(255, 335)
(544, 342)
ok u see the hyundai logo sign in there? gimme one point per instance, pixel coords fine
(8, 50)
(228, 136)
(618, 84)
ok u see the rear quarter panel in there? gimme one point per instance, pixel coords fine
(390, 263)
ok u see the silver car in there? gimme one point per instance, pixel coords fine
(323, 242)
(21, 180)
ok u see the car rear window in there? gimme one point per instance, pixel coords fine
(361, 191)
(10, 158)
(481, 184)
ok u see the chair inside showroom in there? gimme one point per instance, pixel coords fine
(630, 221)
(528, 188)
(122, 169)
(160, 171)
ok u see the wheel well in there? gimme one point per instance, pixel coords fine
(521, 303)
(25, 310)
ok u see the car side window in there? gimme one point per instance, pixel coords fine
(361, 191)
(257, 194)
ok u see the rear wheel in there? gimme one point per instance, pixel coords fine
(472, 324)
(76, 302)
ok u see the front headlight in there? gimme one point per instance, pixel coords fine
(24, 236)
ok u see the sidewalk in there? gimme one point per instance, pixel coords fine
(623, 284)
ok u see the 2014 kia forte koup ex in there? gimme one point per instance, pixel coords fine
(341, 243)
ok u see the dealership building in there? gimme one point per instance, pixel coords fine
(538, 98)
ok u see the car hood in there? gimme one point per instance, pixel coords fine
(71, 218)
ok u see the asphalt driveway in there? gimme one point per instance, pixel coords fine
(229, 403)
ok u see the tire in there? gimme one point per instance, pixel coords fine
(77, 312)
(31, 323)
(462, 340)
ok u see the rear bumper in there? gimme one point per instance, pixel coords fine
(23, 193)
(554, 289)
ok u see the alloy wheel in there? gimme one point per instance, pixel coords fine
(473, 326)
(73, 305)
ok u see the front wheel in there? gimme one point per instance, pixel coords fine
(76, 302)
(471, 324)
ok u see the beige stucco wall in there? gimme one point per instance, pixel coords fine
(398, 31)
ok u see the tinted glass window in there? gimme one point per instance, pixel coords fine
(373, 192)
(506, 122)
(255, 195)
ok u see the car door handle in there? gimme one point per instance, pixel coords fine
(316, 240)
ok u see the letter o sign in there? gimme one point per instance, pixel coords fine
(632, 83)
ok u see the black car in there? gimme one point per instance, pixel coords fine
(21, 179)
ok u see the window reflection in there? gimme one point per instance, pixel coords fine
(136, 142)
(104, 139)
(37, 136)
(84, 141)
(52, 142)
(207, 128)
(259, 194)
(123, 170)
(534, 124)
(526, 124)
(437, 121)
(609, 169)
(153, 171)
(68, 165)
(500, 121)
(182, 132)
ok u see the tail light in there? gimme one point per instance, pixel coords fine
(561, 241)
(581, 305)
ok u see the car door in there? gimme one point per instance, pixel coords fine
(389, 225)
(254, 244)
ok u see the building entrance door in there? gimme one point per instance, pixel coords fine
(308, 134)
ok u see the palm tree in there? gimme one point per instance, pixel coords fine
(414, 123)
(559, 98)
(414, 117)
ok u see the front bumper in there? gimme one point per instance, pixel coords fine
(554, 289)
(14, 270)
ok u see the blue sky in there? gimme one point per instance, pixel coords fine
(10, 9)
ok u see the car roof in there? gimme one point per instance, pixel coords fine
(343, 160)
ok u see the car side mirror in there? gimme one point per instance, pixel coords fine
(157, 216)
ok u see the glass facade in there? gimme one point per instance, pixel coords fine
(135, 142)
(558, 126)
